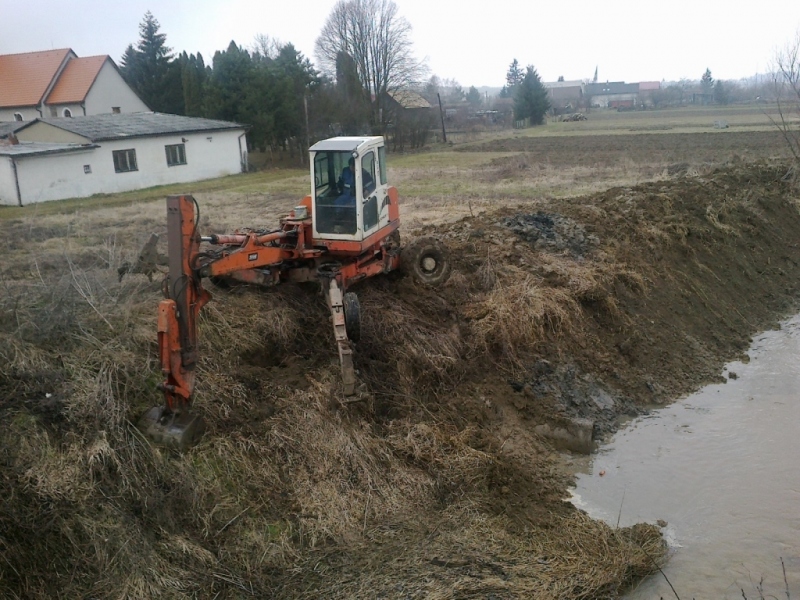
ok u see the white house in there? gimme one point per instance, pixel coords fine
(612, 94)
(56, 83)
(54, 159)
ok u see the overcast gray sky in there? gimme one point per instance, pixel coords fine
(471, 42)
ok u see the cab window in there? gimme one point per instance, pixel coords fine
(382, 164)
(334, 199)
(368, 173)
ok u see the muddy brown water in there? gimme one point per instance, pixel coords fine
(721, 468)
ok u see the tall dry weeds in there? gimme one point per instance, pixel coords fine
(518, 314)
(288, 485)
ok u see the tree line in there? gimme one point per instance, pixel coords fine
(366, 61)
(277, 91)
(266, 87)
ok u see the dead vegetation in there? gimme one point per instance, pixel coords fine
(435, 486)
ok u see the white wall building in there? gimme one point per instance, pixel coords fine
(57, 159)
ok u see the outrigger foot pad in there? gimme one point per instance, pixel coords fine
(174, 430)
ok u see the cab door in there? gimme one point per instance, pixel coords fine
(375, 213)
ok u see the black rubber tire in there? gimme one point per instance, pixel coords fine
(352, 316)
(427, 261)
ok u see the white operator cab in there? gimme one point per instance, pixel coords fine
(349, 206)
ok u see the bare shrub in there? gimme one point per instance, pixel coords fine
(786, 85)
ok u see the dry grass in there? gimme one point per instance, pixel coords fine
(293, 493)
(283, 475)
(519, 314)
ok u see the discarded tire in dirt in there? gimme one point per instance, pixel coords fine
(427, 261)
(352, 316)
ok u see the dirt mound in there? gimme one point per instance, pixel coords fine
(552, 231)
(435, 485)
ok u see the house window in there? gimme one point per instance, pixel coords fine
(18, 116)
(87, 169)
(115, 110)
(124, 161)
(53, 111)
(67, 113)
(176, 154)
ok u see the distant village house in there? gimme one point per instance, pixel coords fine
(612, 94)
(564, 96)
(56, 83)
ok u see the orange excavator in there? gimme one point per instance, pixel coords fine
(345, 231)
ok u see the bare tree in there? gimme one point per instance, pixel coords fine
(265, 46)
(379, 41)
(786, 82)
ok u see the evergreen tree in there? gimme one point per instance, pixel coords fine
(721, 94)
(231, 83)
(707, 82)
(530, 98)
(149, 70)
(474, 97)
(193, 79)
(129, 63)
(431, 89)
(296, 79)
(514, 76)
(455, 94)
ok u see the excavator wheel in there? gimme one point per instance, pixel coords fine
(352, 316)
(427, 261)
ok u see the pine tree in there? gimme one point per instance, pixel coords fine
(193, 79)
(148, 68)
(721, 94)
(707, 82)
(296, 79)
(530, 98)
(514, 76)
(231, 82)
(474, 97)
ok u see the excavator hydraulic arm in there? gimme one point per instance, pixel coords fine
(262, 258)
(173, 423)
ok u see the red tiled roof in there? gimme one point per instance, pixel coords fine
(649, 85)
(24, 78)
(76, 79)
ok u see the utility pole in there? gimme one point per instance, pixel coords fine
(308, 135)
(441, 116)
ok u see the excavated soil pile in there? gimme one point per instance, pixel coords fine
(441, 481)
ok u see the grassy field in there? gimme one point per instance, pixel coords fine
(484, 169)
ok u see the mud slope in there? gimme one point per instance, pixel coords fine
(443, 481)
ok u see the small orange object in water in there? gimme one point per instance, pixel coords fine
(602, 473)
